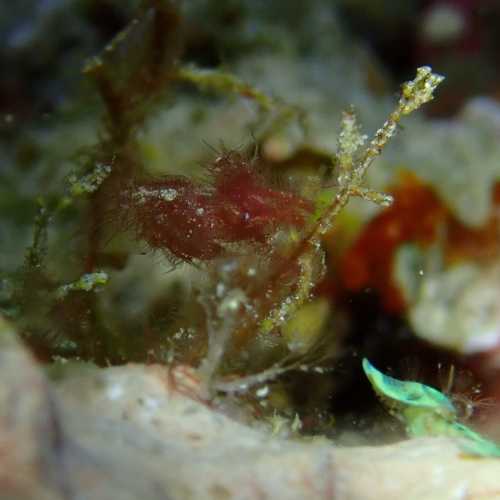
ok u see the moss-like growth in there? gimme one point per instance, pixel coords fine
(258, 243)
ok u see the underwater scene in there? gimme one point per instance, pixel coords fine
(249, 249)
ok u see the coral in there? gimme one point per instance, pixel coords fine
(458, 307)
(421, 219)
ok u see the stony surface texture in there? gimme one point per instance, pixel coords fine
(138, 432)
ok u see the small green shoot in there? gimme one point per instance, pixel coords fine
(224, 83)
(426, 412)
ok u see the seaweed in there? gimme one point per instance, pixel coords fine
(258, 243)
(425, 411)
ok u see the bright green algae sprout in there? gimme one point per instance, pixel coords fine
(426, 412)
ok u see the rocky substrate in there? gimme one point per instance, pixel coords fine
(143, 433)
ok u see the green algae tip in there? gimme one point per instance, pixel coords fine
(407, 393)
(435, 414)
